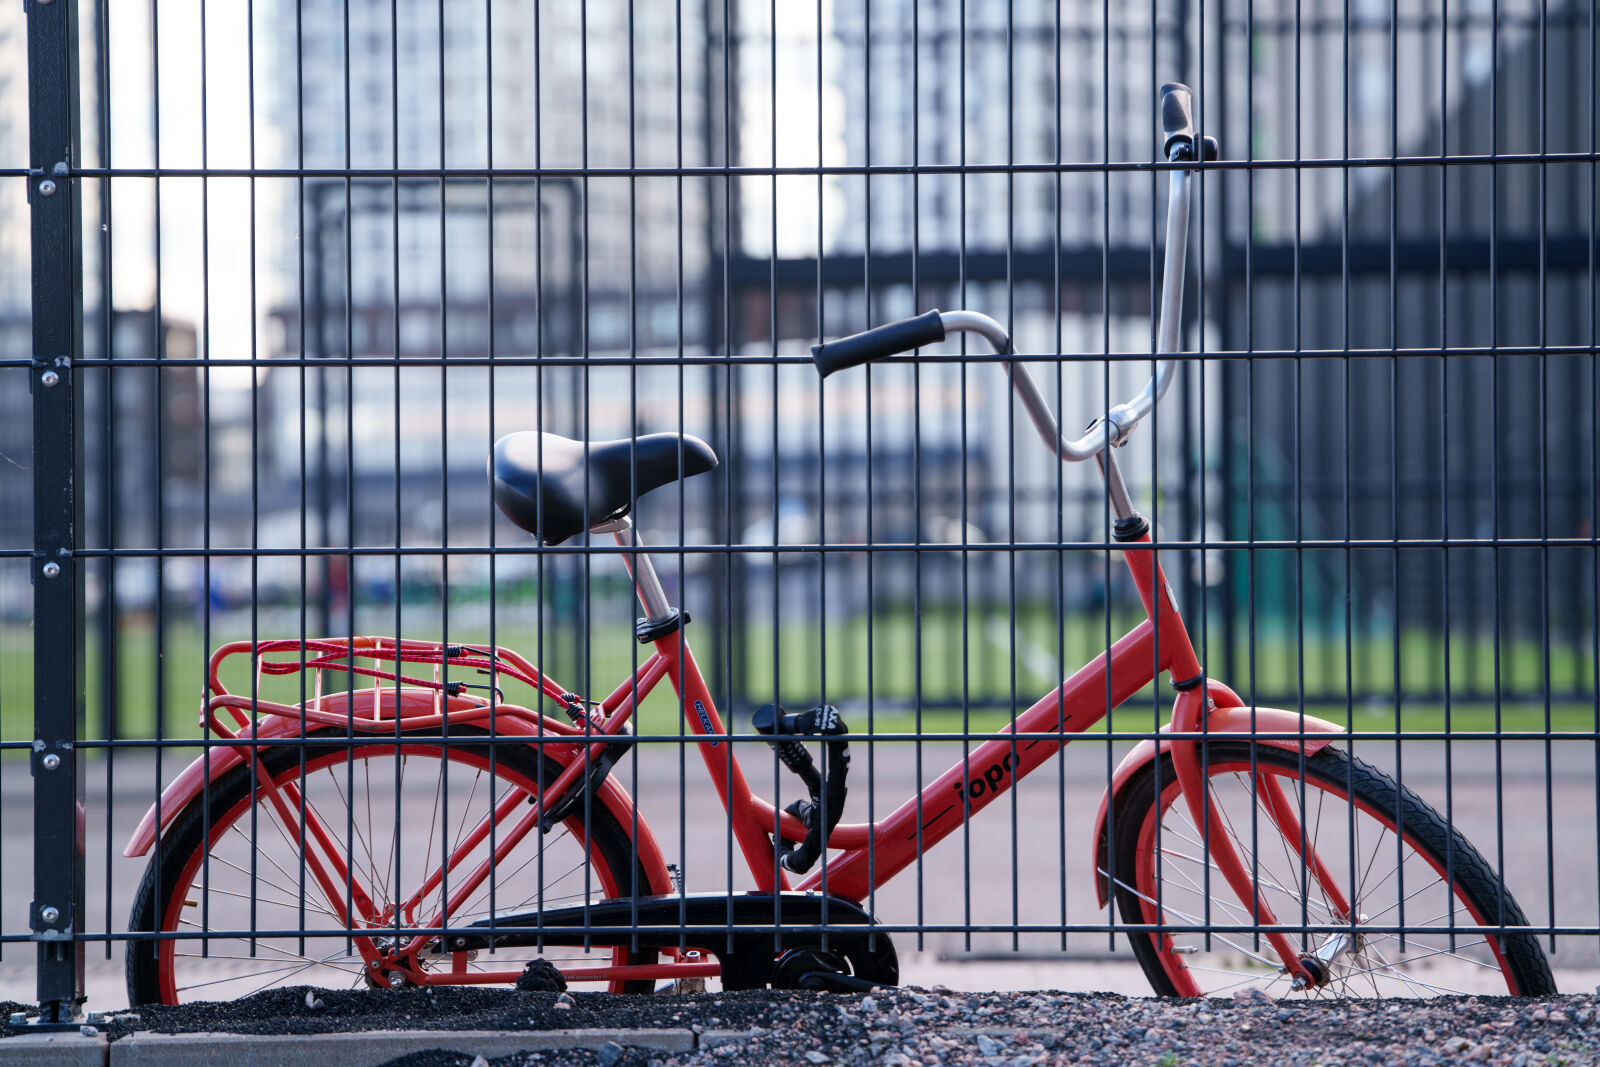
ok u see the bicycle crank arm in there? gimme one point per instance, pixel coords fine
(748, 932)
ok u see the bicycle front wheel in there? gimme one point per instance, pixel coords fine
(1399, 894)
(231, 867)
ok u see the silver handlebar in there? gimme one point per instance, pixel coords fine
(1120, 421)
(1181, 144)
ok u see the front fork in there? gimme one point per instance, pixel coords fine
(1176, 654)
(1188, 717)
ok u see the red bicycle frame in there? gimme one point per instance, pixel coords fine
(869, 854)
(864, 855)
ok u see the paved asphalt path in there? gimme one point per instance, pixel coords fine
(1002, 870)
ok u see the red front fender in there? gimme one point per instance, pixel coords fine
(1243, 721)
(510, 720)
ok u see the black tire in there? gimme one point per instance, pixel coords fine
(1181, 962)
(230, 914)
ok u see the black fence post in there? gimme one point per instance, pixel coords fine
(57, 912)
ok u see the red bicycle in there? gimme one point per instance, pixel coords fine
(402, 828)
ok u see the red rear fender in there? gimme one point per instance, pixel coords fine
(414, 704)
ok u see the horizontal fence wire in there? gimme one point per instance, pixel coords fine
(359, 316)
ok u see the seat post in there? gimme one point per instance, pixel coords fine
(646, 584)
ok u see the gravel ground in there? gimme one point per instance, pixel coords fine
(899, 1027)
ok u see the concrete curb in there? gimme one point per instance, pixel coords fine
(362, 1049)
(67, 1049)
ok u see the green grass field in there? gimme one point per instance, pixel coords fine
(847, 661)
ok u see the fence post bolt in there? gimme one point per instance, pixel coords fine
(47, 188)
(51, 762)
(50, 914)
(49, 379)
(52, 569)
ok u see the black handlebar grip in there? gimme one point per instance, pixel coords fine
(878, 343)
(1177, 115)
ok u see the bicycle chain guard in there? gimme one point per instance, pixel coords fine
(760, 939)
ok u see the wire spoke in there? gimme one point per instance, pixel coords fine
(1268, 883)
(287, 971)
(1193, 921)
(253, 847)
(480, 899)
(256, 879)
(1455, 953)
(374, 882)
(259, 898)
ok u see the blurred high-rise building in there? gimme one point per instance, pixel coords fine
(500, 258)
(991, 84)
(376, 88)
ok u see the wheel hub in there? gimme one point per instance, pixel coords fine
(388, 974)
(1319, 972)
(390, 968)
(1319, 964)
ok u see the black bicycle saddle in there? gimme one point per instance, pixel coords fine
(539, 478)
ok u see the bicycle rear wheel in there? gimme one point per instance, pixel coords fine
(391, 814)
(1372, 848)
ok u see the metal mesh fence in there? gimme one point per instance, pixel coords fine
(302, 263)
